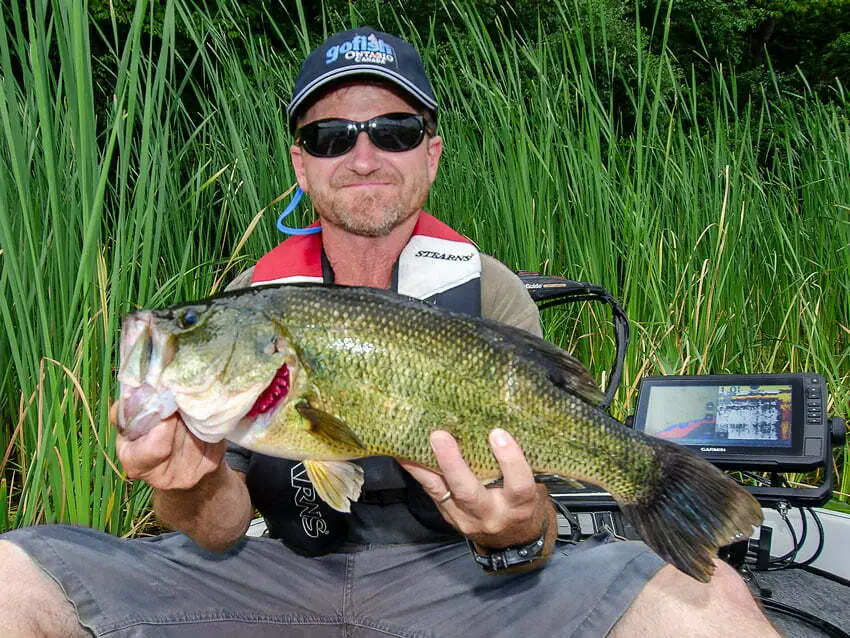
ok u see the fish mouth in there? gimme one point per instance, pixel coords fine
(145, 352)
(151, 390)
(273, 394)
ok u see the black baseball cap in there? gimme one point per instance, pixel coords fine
(358, 52)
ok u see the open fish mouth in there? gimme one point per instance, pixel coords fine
(145, 353)
(217, 412)
(142, 408)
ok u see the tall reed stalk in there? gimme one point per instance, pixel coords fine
(725, 236)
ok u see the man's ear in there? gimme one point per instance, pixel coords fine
(296, 155)
(435, 151)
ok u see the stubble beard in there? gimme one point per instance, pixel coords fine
(373, 215)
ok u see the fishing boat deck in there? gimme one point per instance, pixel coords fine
(814, 593)
(822, 590)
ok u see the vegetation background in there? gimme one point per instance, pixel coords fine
(692, 156)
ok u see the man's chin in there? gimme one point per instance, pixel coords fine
(365, 223)
(367, 229)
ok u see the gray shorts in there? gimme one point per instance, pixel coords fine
(167, 586)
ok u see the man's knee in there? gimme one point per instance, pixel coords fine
(730, 587)
(675, 604)
(16, 561)
(31, 604)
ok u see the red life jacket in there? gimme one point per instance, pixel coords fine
(438, 265)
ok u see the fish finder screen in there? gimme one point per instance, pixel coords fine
(737, 415)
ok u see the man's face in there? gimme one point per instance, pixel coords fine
(367, 191)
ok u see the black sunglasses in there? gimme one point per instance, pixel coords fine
(394, 132)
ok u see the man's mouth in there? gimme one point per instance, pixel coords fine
(367, 184)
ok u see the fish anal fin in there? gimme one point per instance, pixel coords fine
(326, 426)
(337, 483)
(548, 479)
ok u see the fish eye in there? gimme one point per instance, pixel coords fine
(189, 319)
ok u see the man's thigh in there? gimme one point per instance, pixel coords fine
(437, 590)
(168, 586)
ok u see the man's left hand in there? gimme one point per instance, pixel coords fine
(490, 517)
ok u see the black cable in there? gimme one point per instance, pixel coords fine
(811, 559)
(788, 558)
(758, 479)
(815, 621)
(581, 291)
(788, 561)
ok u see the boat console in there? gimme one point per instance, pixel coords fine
(759, 428)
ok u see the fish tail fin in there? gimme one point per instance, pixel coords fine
(692, 510)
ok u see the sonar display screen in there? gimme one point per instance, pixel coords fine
(736, 415)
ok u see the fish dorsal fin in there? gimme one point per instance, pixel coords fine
(337, 483)
(564, 370)
(326, 426)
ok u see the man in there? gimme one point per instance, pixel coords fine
(366, 152)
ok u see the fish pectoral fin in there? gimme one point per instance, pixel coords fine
(328, 427)
(337, 483)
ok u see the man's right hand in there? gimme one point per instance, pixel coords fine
(168, 457)
(195, 490)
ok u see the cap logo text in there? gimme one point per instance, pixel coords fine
(362, 49)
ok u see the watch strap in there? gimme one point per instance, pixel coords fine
(496, 560)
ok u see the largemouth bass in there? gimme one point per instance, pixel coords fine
(326, 374)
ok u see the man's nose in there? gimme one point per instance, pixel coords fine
(365, 156)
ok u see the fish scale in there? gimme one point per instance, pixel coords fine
(372, 373)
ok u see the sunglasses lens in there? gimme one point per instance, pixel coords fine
(328, 138)
(397, 132)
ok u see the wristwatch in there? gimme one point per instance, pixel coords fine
(496, 560)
